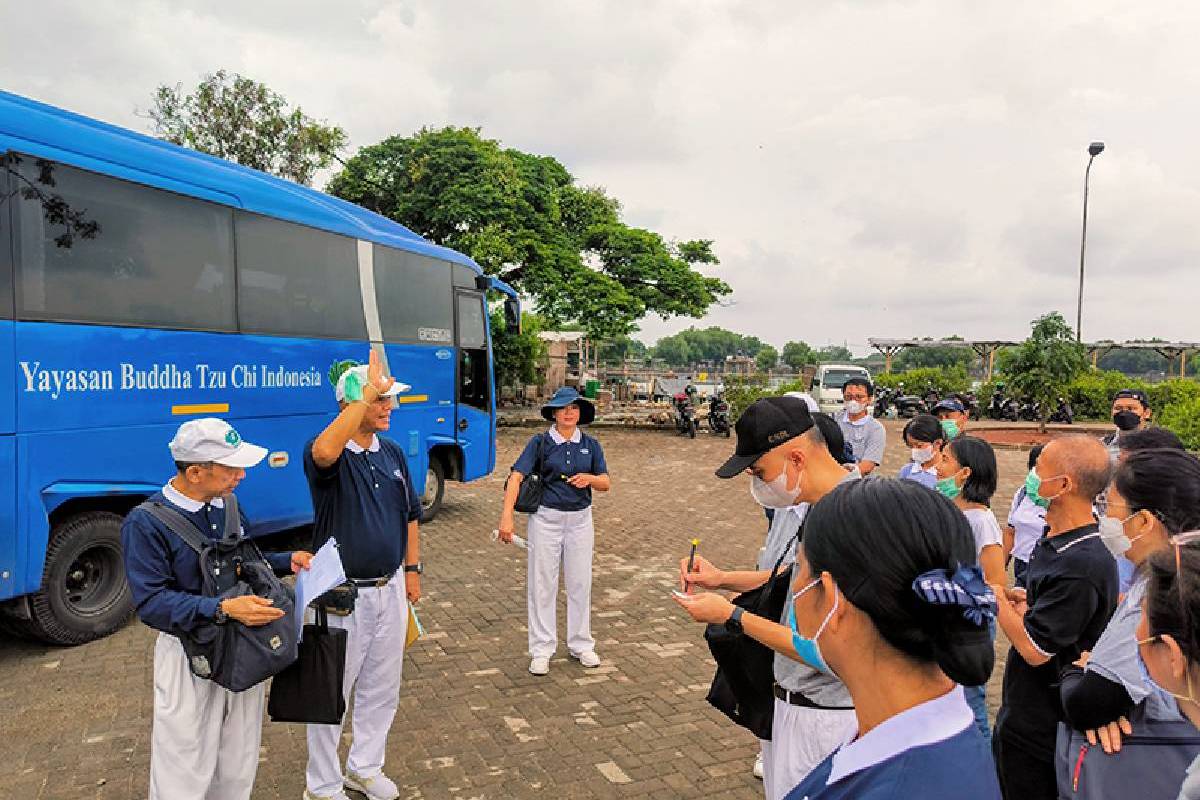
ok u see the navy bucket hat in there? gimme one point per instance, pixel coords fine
(564, 397)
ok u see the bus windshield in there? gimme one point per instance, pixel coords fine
(836, 378)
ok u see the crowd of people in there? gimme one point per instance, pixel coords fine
(885, 640)
(876, 600)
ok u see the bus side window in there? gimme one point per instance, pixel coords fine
(473, 386)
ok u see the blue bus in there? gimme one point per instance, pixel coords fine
(143, 284)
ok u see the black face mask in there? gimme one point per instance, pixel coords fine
(1127, 420)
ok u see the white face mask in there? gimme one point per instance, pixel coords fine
(855, 407)
(1112, 533)
(774, 494)
(922, 454)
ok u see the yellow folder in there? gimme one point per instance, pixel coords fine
(415, 630)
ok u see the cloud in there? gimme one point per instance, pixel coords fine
(884, 168)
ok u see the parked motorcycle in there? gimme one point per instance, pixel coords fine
(718, 416)
(1030, 410)
(970, 403)
(685, 416)
(908, 405)
(1064, 413)
(883, 401)
(1003, 408)
(931, 397)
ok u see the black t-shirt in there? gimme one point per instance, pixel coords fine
(365, 501)
(1072, 591)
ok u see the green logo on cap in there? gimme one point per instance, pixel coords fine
(232, 438)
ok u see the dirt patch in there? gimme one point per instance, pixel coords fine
(1015, 437)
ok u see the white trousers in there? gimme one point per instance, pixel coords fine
(801, 738)
(560, 540)
(204, 739)
(374, 659)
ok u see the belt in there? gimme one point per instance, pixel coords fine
(366, 583)
(799, 699)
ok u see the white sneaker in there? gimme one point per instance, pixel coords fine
(588, 659)
(539, 666)
(758, 769)
(339, 796)
(376, 787)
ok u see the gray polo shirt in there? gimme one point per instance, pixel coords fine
(866, 437)
(796, 676)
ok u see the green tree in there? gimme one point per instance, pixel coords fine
(523, 218)
(834, 353)
(674, 350)
(918, 357)
(242, 120)
(767, 358)
(517, 355)
(798, 355)
(1045, 363)
(616, 350)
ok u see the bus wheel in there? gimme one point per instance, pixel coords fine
(435, 488)
(84, 595)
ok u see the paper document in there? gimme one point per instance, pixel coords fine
(415, 631)
(324, 573)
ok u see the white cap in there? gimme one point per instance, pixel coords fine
(361, 372)
(807, 398)
(200, 441)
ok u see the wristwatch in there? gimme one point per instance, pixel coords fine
(734, 623)
(220, 617)
(417, 568)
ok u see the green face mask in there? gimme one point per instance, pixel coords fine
(949, 487)
(1033, 485)
(950, 428)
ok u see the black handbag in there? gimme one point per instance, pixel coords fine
(743, 688)
(230, 654)
(529, 497)
(310, 690)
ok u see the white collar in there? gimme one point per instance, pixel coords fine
(355, 447)
(928, 723)
(178, 498)
(557, 437)
(856, 422)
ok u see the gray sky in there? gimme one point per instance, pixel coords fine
(865, 168)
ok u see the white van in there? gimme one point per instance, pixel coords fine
(828, 382)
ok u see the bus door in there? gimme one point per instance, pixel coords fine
(8, 400)
(474, 407)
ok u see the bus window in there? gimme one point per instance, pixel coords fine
(297, 281)
(474, 389)
(153, 259)
(414, 297)
(6, 245)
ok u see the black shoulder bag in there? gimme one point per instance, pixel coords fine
(743, 688)
(230, 654)
(530, 495)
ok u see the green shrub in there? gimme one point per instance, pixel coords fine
(944, 379)
(1091, 394)
(1184, 419)
(1175, 391)
(741, 392)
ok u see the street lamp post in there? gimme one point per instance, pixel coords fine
(1094, 149)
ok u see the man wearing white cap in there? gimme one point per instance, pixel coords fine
(364, 497)
(204, 741)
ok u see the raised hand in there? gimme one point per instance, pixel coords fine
(378, 381)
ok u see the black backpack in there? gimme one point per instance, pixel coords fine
(230, 654)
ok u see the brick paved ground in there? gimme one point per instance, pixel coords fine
(472, 722)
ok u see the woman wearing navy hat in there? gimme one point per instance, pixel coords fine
(890, 600)
(571, 464)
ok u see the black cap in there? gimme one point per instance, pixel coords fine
(1133, 394)
(765, 425)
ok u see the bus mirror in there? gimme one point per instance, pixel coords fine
(512, 315)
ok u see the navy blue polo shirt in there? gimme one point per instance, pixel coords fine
(932, 750)
(365, 501)
(562, 458)
(1072, 588)
(164, 572)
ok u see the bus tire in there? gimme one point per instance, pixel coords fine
(84, 595)
(435, 489)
